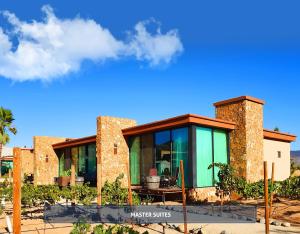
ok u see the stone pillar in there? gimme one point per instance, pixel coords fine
(246, 141)
(45, 159)
(112, 149)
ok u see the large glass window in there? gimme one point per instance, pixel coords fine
(81, 160)
(134, 157)
(211, 147)
(180, 152)
(147, 159)
(92, 161)
(204, 156)
(163, 152)
(220, 149)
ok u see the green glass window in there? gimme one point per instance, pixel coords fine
(61, 162)
(163, 153)
(220, 149)
(134, 156)
(81, 160)
(180, 152)
(92, 163)
(204, 156)
(147, 160)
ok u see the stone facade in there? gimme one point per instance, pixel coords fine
(45, 159)
(27, 162)
(202, 194)
(246, 141)
(112, 149)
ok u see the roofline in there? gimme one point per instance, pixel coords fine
(279, 136)
(75, 142)
(238, 99)
(178, 121)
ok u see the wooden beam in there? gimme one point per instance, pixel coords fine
(267, 227)
(99, 179)
(129, 185)
(17, 191)
(272, 183)
(183, 197)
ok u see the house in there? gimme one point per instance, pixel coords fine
(236, 136)
(6, 160)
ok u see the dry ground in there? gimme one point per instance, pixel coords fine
(284, 210)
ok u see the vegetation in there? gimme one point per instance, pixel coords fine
(115, 229)
(6, 126)
(230, 182)
(114, 194)
(81, 227)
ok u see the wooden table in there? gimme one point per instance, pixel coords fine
(160, 192)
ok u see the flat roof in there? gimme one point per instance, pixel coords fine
(75, 142)
(178, 121)
(279, 136)
(238, 99)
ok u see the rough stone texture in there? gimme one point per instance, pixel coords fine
(109, 133)
(202, 194)
(27, 162)
(44, 172)
(246, 141)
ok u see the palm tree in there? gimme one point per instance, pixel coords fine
(6, 121)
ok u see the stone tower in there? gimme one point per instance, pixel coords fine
(246, 141)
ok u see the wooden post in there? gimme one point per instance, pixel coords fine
(129, 186)
(99, 179)
(17, 191)
(272, 183)
(267, 228)
(74, 153)
(183, 197)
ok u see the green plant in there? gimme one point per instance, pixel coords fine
(80, 227)
(114, 194)
(115, 229)
(6, 126)
(66, 173)
(290, 188)
(83, 194)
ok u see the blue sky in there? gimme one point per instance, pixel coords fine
(229, 48)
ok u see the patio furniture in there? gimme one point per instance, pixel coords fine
(152, 182)
(160, 192)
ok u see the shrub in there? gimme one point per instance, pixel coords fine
(80, 227)
(114, 194)
(101, 229)
(290, 187)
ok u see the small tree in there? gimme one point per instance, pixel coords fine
(6, 126)
(276, 129)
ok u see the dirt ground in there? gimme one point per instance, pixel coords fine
(284, 210)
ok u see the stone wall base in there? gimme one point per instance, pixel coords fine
(202, 194)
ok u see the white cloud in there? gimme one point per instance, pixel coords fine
(55, 47)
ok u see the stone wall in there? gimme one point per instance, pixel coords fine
(202, 194)
(246, 141)
(112, 149)
(27, 162)
(45, 159)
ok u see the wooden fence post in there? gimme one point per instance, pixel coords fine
(183, 197)
(17, 191)
(267, 228)
(129, 185)
(272, 183)
(99, 180)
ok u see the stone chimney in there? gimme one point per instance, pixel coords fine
(246, 141)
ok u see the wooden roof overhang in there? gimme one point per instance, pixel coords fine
(75, 142)
(279, 136)
(177, 122)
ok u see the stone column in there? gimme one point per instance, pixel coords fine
(112, 149)
(246, 141)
